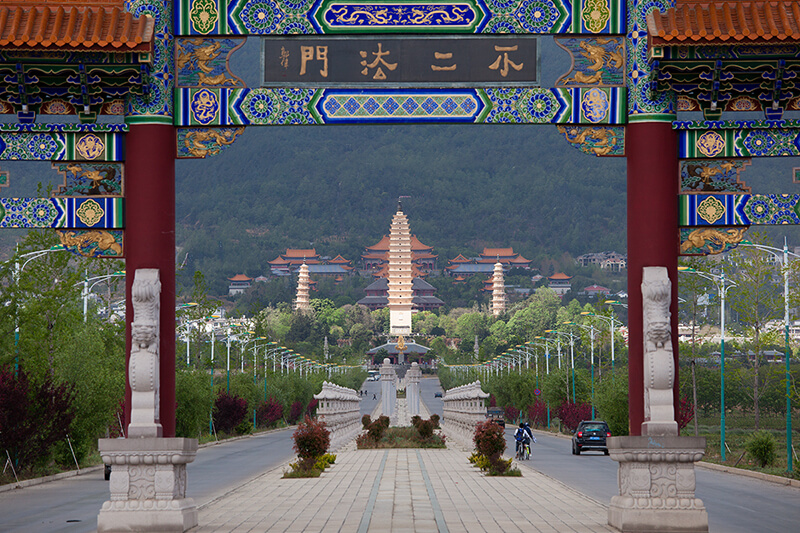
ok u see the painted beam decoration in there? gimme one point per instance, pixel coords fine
(738, 209)
(61, 142)
(608, 141)
(729, 139)
(713, 175)
(709, 241)
(288, 17)
(597, 61)
(269, 107)
(199, 143)
(93, 213)
(90, 179)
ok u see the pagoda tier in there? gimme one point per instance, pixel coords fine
(377, 255)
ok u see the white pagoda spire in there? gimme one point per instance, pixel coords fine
(400, 277)
(301, 303)
(498, 290)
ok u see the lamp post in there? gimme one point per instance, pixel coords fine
(722, 286)
(591, 333)
(87, 288)
(611, 321)
(571, 354)
(783, 256)
(28, 256)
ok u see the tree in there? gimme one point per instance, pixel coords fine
(757, 302)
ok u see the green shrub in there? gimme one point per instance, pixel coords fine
(365, 421)
(194, 397)
(761, 446)
(425, 428)
(435, 420)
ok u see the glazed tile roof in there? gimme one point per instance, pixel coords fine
(692, 22)
(84, 26)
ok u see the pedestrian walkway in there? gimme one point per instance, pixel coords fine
(403, 490)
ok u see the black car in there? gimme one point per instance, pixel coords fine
(590, 435)
(437, 394)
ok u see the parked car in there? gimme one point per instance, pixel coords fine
(437, 394)
(495, 414)
(590, 435)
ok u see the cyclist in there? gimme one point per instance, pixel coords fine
(530, 438)
(522, 437)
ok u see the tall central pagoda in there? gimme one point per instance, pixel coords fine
(400, 275)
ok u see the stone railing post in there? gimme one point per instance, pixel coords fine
(388, 389)
(412, 389)
(340, 409)
(463, 410)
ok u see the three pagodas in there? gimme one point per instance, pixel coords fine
(401, 280)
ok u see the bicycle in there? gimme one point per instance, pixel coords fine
(524, 450)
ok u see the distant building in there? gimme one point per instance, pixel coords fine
(376, 258)
(239, 284)
(460, 267)
(594, 290)
(612, 261)
(423, 298)
(287, 262)
(560, 283)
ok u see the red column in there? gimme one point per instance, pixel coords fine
(651, 149)
(150, 152)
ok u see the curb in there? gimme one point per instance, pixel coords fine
(90, 469)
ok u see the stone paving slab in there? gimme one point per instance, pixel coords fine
(403, 490)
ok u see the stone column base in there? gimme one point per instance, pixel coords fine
(148, 485)
(657, 484)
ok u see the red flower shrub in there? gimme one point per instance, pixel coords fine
(33, 417)
(435, 421)
(295, 412)
(490, 441)
(685, 413)
(511, 413)
(537, 413)
(492, 401)
(571, 414)
(269, 413)
(425, 428)
(365, 421)
(229, 411)
(311, 410)
(311, 440)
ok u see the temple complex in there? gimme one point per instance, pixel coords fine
(460, 267)
(400, 291)
(285, 263)
(239, 284)
(560, 283)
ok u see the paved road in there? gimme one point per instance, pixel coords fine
(735, 504)
(71, 505)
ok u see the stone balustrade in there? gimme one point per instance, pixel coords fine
(340, 409)
(463, 409)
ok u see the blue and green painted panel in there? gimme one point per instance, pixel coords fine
(738, 209)
(287, 17)
(727, 143)
(713, 175)
(268, 107)
(61, 142)
(94, 213)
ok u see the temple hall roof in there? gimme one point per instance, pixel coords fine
(692, 22)
(240, 277)
(74, 25)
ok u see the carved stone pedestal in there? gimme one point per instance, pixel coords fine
(656, 485)
(148, 485)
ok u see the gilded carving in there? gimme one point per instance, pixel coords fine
(710, 143)
(710, 241)
(90, 179)
(659, 365)
(90, 212)
(93, 243)
(597, 140)
(715, 175)
(204, 62)
(711, 209)
(595, 61)
(204, 142)
(90, 146)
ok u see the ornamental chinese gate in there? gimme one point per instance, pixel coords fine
(163, 66)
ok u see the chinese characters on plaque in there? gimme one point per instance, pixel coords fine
(401, 62)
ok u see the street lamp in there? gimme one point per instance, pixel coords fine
(591, 332)
(88, 288)
(783, 256)
(17, 271)
(722, 286)
(571, 354)
(611, 321)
